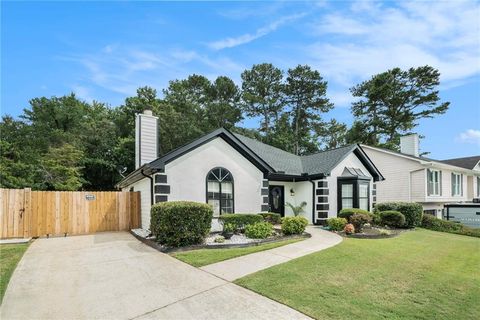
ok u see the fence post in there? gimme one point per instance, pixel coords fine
(27, 212)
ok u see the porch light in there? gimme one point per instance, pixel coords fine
(292, 192)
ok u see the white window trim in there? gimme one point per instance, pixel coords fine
(433, 194)
(460, 186)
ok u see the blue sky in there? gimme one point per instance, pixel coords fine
(105, 50)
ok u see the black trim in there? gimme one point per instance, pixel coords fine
(265, 208)
(265, 199)
(322, 214)
(294, 178)
(368, 163)
(323, 206)
(355, 181)
(265, 184)
(163, 188)
(220, 189)
(322, 192)
(139, 141)
(159, 198)
(322, 184)
(225, 135)
(160, 178)
(321, 222)
(322, 199)
(264, 192)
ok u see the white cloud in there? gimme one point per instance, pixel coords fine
(470, 136)
(82, 92)
(370, 38)
(249, 37)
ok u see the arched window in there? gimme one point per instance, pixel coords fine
(220, 191)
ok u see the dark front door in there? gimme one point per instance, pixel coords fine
(277, 199)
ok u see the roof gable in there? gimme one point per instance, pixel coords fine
(466, 162)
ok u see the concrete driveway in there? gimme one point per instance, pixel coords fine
(114, 276)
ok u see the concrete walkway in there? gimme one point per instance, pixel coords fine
(239, 267)
(114, 276)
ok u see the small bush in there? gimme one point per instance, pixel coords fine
(432, 223)
(219, 239)
(260, 230)
(272, 217)
(412, 211)
(392, 218)
(294, 225)
(358, 220)
(240, 220)
(180, 223)
(228, 228)
(336, 224)
(348, 212)
(385, 232)
(349, 228)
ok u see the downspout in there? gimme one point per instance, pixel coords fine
(151, 186)
(313, 200)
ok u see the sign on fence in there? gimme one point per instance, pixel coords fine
(25, 213)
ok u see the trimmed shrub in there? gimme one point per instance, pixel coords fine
(432, 223)
(336, 224)
(240, 220)
(260, 230)
(358, 220)
(392, 218)
(412, 211)
(294, 225)
(180, 223)
(272, 217)
(349, 228)
(348, 212)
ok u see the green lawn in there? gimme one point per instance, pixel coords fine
(202, 257)
(10, 255)
(419, 275)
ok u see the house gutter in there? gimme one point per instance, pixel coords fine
(151, 186)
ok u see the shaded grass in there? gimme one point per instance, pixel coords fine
(418, 275)
(10, 255)
(203, 257)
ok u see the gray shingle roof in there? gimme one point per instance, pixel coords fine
(280, 160)
(467, 162)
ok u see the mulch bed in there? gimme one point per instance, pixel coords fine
(373, 233)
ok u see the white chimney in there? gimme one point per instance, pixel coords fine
(146, 138)
(409, 144)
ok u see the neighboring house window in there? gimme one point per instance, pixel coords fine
(363, 196)
(478, 186)
(457, 184)
(434, 182)
(347, 196)
(220, 191)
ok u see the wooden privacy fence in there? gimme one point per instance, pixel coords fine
(25, 213)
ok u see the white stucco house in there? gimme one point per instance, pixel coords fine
(432, 183)
(236, 174)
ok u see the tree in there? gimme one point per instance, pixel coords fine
(222, 109)
(262, 94)
(305, 94)
(394, 101)
(332, 134)
(59, 169)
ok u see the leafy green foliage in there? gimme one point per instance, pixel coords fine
(272, 217)
(240, 220)
(336, 224)
(392, 102)
(412, 211)
(297, 209)
(294, 225)
(348, 212)
(392, 218)
(358, 220)
(435, 224)
(180, 223)
(259, 230)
